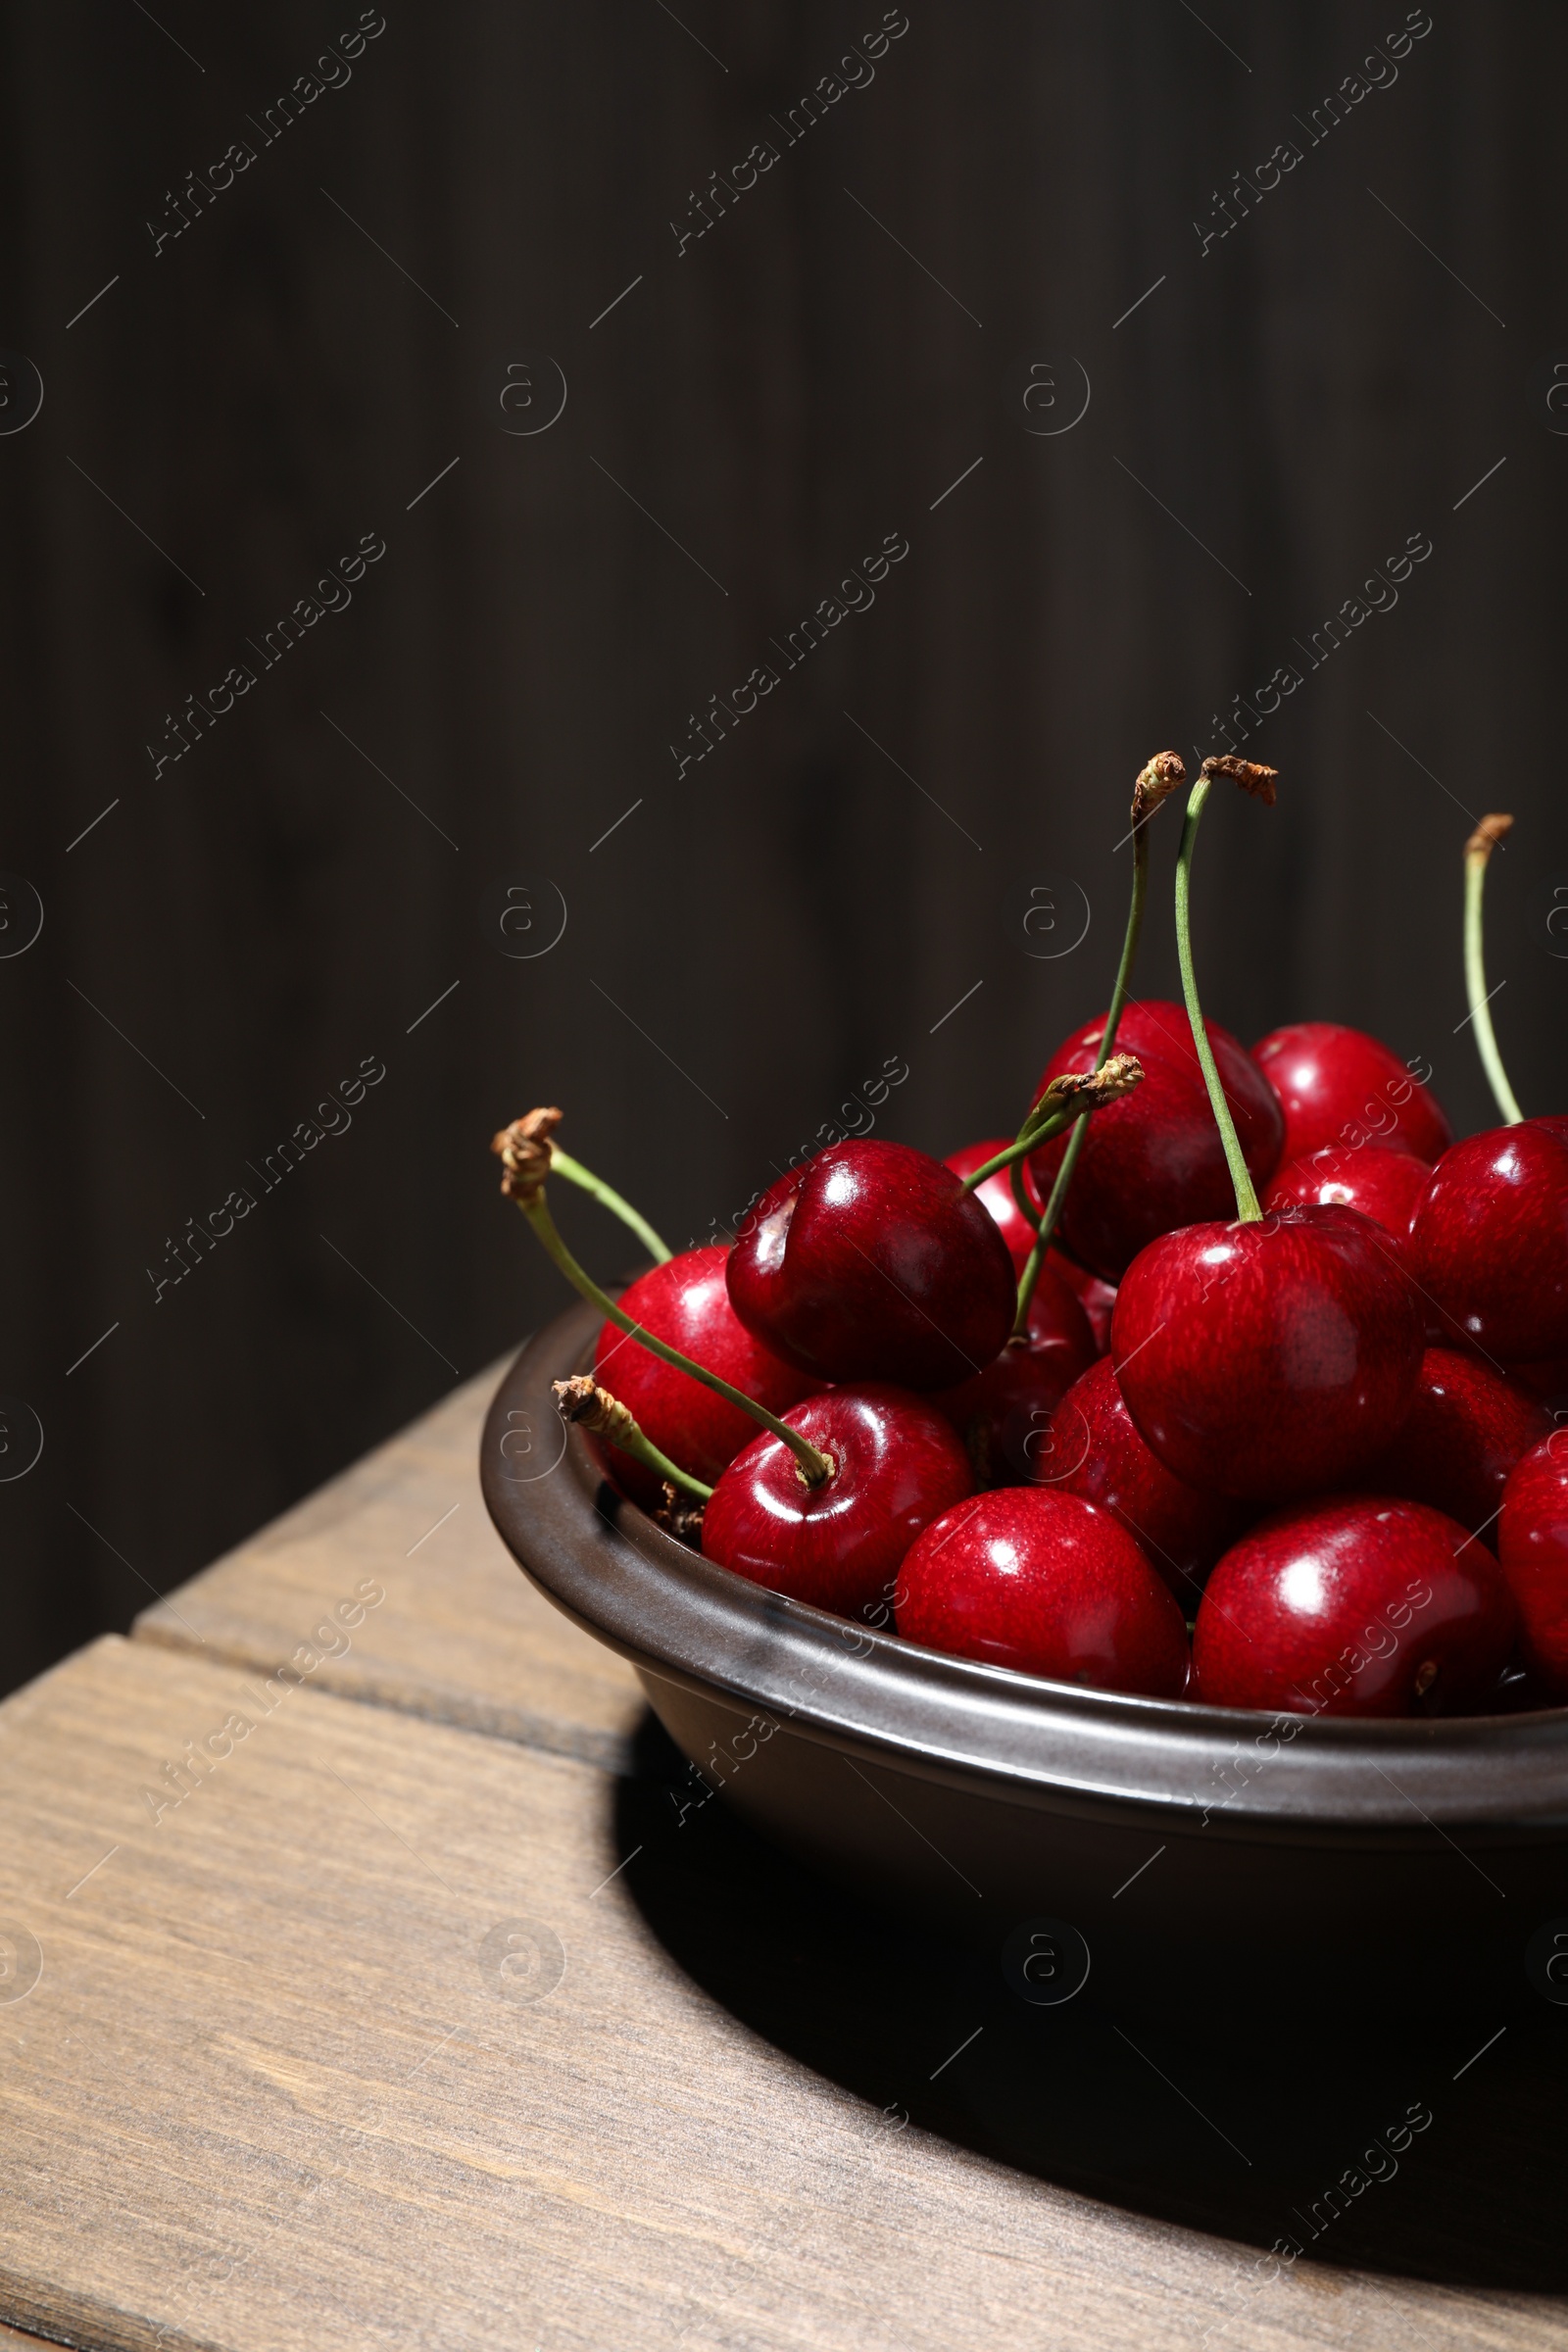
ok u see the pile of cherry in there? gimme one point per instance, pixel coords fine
(1259, 1420)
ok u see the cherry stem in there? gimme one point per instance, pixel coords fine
(583, 1400)
(1477, 855)
(561, 1163)
(1246, 1207)
(1046, 1227)
(814, 1467)
(1020, 1197)
(1029, 1139)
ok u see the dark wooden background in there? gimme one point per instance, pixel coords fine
(323, 340)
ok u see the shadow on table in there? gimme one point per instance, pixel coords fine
(1376, 2144)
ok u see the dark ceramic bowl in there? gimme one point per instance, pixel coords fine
(1162, 1844)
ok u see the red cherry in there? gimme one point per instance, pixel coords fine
(1270, 1357)
(1489, 1240)
(1046, 1585)
(1355, 1605)
(1094, 1450)
(1340, 1086)
(685, 1302)
(1461, 1436)
(1533, 1542)
(1096, 1297)
(1001, 1412)
(898, 1463)
(873, 1262)
(1384, 1185)
(1155, 1160)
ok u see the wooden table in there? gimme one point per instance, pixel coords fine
(408, 1997)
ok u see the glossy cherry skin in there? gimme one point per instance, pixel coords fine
(898, 1465)
(1489, 1240)
(1093, 1449)
(1340, 1086)
(873, 1262)
(1384, 1185)
(1533, 1544)
(1154, 1158)
(1463, 1434)
(1001, 1413)
(1355, 1604)
(1096, 1297)
(1266, 1359)
(686, 1303)
(1046, 1585)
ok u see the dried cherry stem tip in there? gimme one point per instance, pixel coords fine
(1072, 1096)
(1164, 774)
(1259, 781)
(1477, 855)
(583, 1401)
(523, 1150)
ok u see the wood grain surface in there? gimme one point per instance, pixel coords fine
(362, 2044)
(461, 1634)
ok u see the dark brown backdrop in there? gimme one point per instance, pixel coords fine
(323, 340)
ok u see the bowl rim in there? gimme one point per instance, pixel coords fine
(683, 1619)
